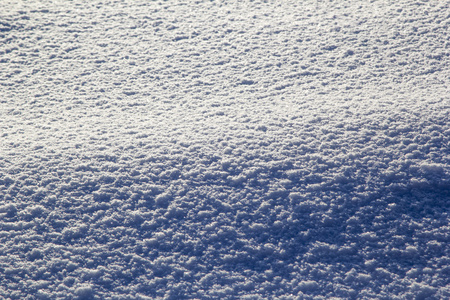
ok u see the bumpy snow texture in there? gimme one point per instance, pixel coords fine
(224, 149)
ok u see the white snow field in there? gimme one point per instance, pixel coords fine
(224, 149)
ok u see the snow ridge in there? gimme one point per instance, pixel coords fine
(224, 150)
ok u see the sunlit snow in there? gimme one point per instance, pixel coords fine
(224, 149)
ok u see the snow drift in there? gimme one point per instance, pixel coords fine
(224, 150)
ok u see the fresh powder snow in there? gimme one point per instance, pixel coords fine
(224, 149)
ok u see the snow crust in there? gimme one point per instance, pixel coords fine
(224, 149)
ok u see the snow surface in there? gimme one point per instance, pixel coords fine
(224, 149)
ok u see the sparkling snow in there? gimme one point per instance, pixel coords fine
(224, 149)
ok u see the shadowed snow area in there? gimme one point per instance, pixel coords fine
(224, 149)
